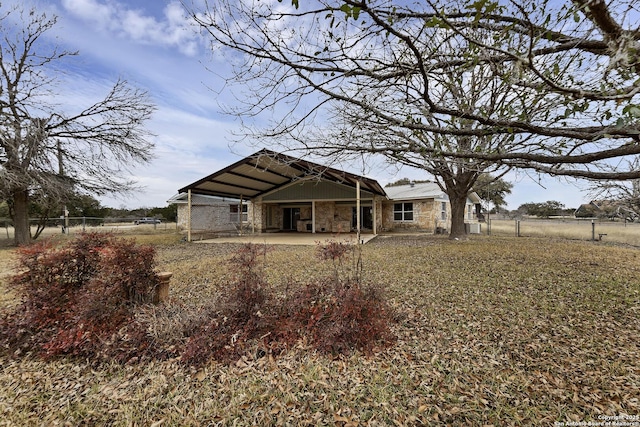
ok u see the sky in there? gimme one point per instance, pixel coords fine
(152, 45)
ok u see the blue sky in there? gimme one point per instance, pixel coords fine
(152, 45)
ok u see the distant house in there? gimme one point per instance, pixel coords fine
(589, 210)
(283, 193)
(606, 209)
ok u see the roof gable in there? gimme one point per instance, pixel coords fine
(266, 171)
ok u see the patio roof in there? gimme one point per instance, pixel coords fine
(265, 171)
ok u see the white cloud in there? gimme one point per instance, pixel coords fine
(174, 30)
(100, 14)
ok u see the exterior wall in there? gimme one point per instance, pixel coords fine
(255, 214)
(342, 218)
(208, 217)
(379, 214)
(325, 212)
(305, 212)
(330, 217)
(182, 216)
(426, 216)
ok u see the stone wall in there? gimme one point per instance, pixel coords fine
(325, 212)
(426, 217)
(255, 214)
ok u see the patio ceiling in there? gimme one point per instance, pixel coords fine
(265, 171)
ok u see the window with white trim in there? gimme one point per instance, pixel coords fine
(443, 211)
(403, 211)
(234, 213)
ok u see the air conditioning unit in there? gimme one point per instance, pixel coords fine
(475, 228)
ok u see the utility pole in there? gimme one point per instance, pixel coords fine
(65, 212)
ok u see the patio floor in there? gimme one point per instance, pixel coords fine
(290, 238)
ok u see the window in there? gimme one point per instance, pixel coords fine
(234, 213)
(443, 211)
(403, 211)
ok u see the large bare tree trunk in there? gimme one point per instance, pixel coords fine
(21, 217)
(458, 229)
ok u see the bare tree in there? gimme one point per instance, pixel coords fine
(44, 150)
(581, 57)
(470, 90)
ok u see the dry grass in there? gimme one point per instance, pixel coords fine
(7, 261)
(612, 232)
(499, 331)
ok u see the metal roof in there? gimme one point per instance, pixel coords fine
(422, 190)
(266, 171)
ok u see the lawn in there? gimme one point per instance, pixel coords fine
(493, 330)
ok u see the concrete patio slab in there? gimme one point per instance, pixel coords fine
(290, 238)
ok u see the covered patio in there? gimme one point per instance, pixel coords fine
(291, 195)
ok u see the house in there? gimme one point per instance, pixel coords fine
(284, 193)
(588, 210)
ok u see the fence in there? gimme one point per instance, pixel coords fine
(568, 228)
(75, 225)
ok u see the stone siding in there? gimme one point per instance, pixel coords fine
(426, 217)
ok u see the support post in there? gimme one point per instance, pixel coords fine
(313, 216)
(189, 215)
(253, 214)
(358, 210)
(593, 230)
(240, 210)
(374, 214)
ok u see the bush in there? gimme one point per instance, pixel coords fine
(78, 298)
(337, 315)
(343, 316)
(82, 299)
(241, 316)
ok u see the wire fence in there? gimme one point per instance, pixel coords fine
(74, 225)
(569, 228)
(229, 223)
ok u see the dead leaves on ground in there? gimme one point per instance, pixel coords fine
(489, 332)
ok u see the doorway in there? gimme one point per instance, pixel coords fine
(290, 218)
(366, 218)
